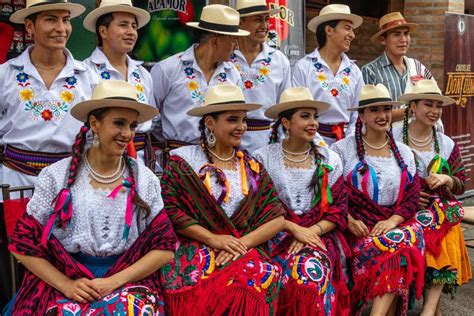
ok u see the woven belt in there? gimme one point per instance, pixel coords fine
(142, 141)
(335, 131)
(29, 162)
(258, 125)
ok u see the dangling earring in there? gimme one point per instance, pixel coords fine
(287, 134)
(96, 141)
(211, 139)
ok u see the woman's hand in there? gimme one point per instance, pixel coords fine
(383, 227)
(81, 290)
(434, 181)
(295, 247)
(424, 201)
(357, 228)
(105, 286)
(307, 236)
(225, 257)
(228, 243)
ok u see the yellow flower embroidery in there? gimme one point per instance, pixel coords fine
(139, 88)
(322, 77)
(345, 80)
(193, 85)
(26, 95)
(237, 66)
(264, 71)
(66, 96)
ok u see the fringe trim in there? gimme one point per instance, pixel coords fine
(297, 300)
(434, 237)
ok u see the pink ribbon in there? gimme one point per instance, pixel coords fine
(127, 183)
(62, 203)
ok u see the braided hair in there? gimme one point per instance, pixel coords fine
(203, 137)
(137, 200)
(314, 184)
(405, 130)
(274, 138)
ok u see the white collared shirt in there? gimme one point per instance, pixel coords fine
(180, 85)
(341, 91)
(262, 82)
(137, 75)
(34, 118)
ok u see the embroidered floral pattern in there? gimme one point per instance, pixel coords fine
(340, 85)
(46, 110)
(105, 74)
(253, 78)
(197, 95)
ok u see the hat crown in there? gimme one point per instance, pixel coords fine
(370, 91)
(30, 3)
(109, 89)
(243, 4)
(296, 94)
(220, 14)
(107, 3)
(391, 17)
(223, 94)
(335, 9)
(426, 86)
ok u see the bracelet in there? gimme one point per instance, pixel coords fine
(322, 230)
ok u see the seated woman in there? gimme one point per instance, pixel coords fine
(94, 234)
(309, 182)
(225, 209)
(442, 175)
(386, 242)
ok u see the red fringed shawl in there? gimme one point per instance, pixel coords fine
(35, 296)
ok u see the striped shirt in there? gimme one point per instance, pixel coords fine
(381, 70)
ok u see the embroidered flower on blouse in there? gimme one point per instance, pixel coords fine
(189, 71)
(223, 76)
(345, 80)
(66, 96)
(347, 71)
(139, 88)
(322, 77)
(47, 115)
(136, 75)
(22, 77)
(248, 84)
(105, 75)
(264, 71)
(193, 85)
(26, 94)
(334, 92)
(71, 80)
(318, 66)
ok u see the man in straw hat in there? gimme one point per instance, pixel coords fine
(115, 23)
(330, 75)
(38, 90)
(181, 81)
(393, 68)
(265, 71)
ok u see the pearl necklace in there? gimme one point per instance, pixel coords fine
(420, 143)
(223, 159)
(296, 160)
(375, 147)
(295, 154)
(105, 179)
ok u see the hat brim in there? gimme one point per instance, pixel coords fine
(273, 111)
(145, 112)
(411, 26)
(317, 20)
(379, 103)
(74, 9)
(207, 109)
(239, 33)
(426, 96)
(270, 12)
(143, 17)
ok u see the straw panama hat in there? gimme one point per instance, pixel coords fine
(294, 98)
(392, 21)
(36, 6)
(333, 12)
(254, 7)
(220, 19)
(221, 98)
(110, 6)
(426, 89)
(371, 95)
(114, 94)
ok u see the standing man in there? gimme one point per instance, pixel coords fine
(393, 68)
(181, 81)
(329, 74)
(265, 71)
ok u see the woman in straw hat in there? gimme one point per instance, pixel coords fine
(442, 176)
(116, 23)
(329, 74)
(80, 259)
(386, 241)
(309, 182)
(225, 209)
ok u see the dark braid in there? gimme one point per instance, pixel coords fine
(435, 138)
(360, 145)
(203, 140)
(405, 125)
(77, 151)
(396, 152)
(137, 200)
(314, 184)
(274, 138)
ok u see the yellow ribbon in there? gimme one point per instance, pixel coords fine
(243, 172)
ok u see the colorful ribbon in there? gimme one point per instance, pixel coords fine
(438, 164)
(130, 185)
(205, 176)
(405, 180)
(352, 177)
(62, 205)
(246, 169)
(324, 192)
